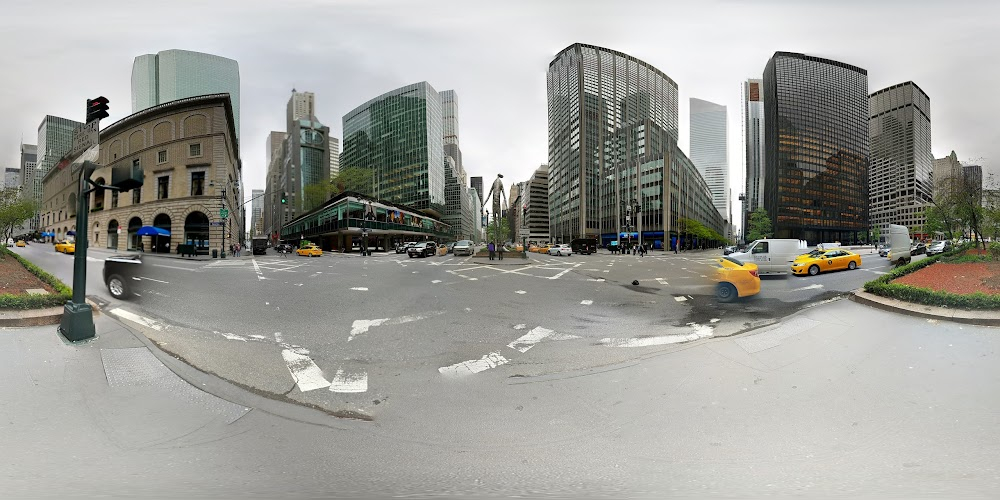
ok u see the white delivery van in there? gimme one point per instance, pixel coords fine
(899, 245)
(772, 256)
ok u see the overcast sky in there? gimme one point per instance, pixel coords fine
(494, 54)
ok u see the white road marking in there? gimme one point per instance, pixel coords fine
(360, 288)
(528, 340)
(519, 326)
(810, 287)
(699, 332)
(472, 366)
(521, 292)
(564, 272)
(661, 281)
(256, 269)
(714, 320)
(362, 325)
(136, 278)
(605, 270)
(231, 336)
(92, 259)
(278, 337)
(175, 267)
(135, 318)
(680, 299)
(473, 279)
(158, 281)
(349, 382)
(308, 376)
(435, 281)
(595, 279)
(586, 302)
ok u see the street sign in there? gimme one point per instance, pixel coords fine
(223, 213)
(216, 223)
(84, 137)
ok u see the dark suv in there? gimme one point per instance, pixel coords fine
(422, 249)
(119, 271)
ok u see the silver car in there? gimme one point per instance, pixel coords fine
(463, 247)
(562, 249)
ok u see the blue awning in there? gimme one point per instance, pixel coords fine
(152, 231)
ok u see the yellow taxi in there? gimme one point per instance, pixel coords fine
(21, 243)
(541, 249)
(310, 251)
(819, 261)
(66, 246)
(735, 279)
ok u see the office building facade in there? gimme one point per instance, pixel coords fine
(709, 150)
(900, 178)
(477, 184)
(816, 148)
(12, 178)
(190, 160)
(398, 137)
(176, 74)
(753, 148)
(334, 147)
(945, 169)
(613, 125)
(537, 205)
(256, 212)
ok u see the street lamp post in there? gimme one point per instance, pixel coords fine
(224, 208)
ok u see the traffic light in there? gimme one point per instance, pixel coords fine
(97, 109)
(284, 198)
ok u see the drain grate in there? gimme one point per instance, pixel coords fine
(137, 367)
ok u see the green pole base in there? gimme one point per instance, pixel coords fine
(77, 322)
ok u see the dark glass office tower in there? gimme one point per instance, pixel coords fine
(816, 148)
(900, 184)
(612, 128)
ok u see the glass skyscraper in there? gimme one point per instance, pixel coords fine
(816, 148)
(753, 141)
(612, 141)
(901, 172)
(175, 74)
(398, 136)
(709, 150)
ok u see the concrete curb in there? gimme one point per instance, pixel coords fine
(37, 317)
(981, 318)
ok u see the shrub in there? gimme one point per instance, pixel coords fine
(994, 249)
(884, 287)
(25, 301)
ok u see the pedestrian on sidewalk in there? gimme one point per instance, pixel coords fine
(501, 251)
(491, 248)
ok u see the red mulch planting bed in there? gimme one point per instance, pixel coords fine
(961, 278)
(14, 278)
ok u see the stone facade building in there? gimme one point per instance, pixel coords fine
(189, 155)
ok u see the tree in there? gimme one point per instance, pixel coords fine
(355, 179)
(498, 230)
(315, 195)
(759, 226)
(13, 211)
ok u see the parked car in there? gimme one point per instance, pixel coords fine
(918, 248)
(728, 250)
(883, 250)
(830, 260)
(562, 249)
(65, 246)
(119, 271)
(735, 279)
(402, 247)
(422, 249)
(310, 251)
(464, 247)
(937, 247)
(21, 243)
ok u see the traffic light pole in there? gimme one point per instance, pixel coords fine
(78, 317)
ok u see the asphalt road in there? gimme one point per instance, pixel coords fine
(837, 399)
(368, 337)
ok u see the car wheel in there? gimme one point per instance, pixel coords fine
(726, 292)
(813, 270)
(117, 287)
(851, 265)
